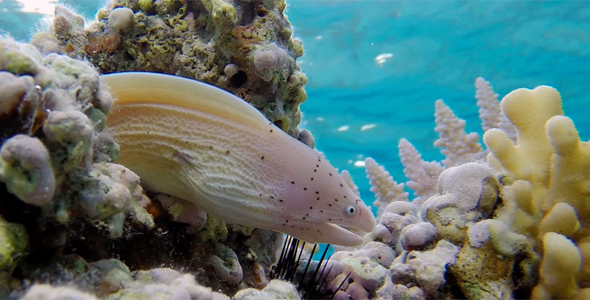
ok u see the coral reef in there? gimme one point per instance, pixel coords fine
(545, 198)
(26, 169)
(509, 221)
(111, 279)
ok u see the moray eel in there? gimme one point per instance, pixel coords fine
(204, 145)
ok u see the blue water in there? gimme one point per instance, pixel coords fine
(438, 49)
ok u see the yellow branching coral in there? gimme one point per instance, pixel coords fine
(570, 178)
(561, 261)
(528, 110)
(550, 188)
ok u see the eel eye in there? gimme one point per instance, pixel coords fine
(350, 210)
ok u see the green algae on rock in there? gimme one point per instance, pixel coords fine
(13, 246)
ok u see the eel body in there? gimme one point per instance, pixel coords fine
(209, 147)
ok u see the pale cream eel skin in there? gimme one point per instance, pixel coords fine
(209, 147)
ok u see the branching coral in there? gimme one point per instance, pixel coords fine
(490, 112)
(383, 186)
(457, 146)
(549, 164)
(422, 174)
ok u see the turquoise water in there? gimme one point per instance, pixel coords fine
(437, 50)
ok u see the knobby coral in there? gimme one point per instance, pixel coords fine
(55, 163)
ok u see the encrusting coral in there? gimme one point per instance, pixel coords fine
(111, 279)
(25, 167)
(244, 47)
(62, 195)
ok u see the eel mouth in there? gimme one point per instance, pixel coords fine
(346, 236)
(350, 230)
(324, 233)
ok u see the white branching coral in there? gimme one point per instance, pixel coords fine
(383, 186)
(457, 146)
(348, 180)
(489, 106)
(490, 112)
(422, 175)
